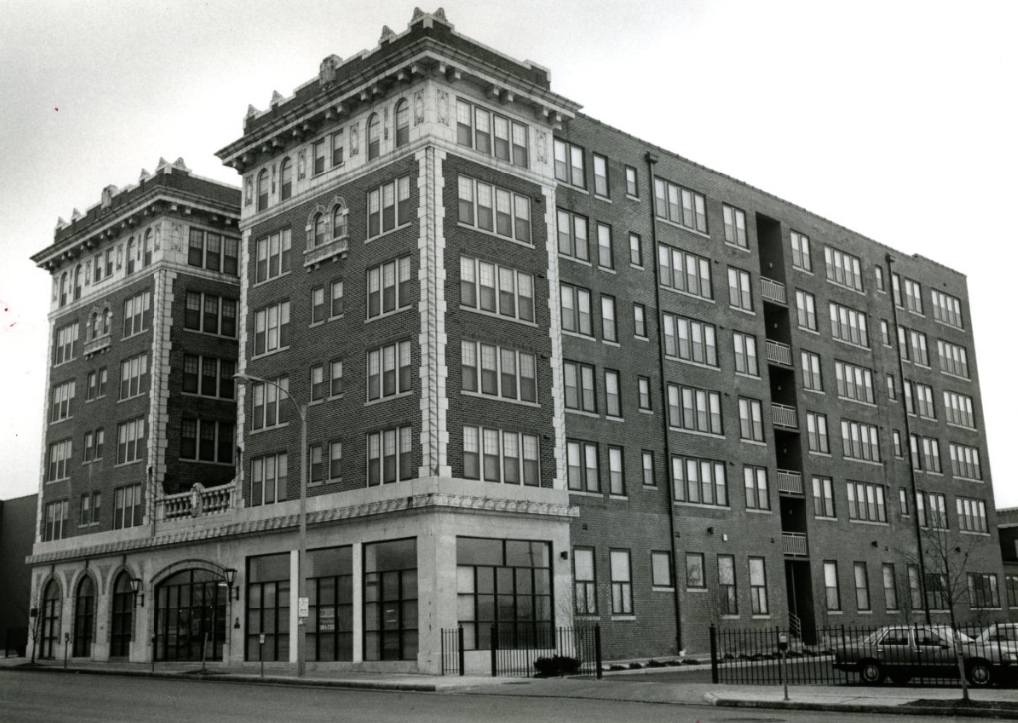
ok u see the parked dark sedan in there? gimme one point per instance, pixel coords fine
(903, 652)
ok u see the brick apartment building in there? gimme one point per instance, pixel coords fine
(551, 375)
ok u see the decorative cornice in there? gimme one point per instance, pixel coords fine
(435, 501)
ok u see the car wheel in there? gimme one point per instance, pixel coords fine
(980, 674)
(871, 673)
(901, 678)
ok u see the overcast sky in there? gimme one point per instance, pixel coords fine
(895, 119)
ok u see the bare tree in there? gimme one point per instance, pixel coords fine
(946, 583)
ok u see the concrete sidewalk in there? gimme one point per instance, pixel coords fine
(910, 700)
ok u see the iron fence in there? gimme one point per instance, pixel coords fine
(453, 654)
(546, 651)
(868, 655)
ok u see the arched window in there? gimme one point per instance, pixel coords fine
(373, 141)
(402, 123)
(285, 179)
(63, 288)
(122, 622)
(84, 617)
(147, 249)
(338, 222)
(50, 634)
(93, 326)
(107, 321)
(319, 229)
(77, 282)
(131, 252)
(263, 190)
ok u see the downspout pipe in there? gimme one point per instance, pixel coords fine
(652, 159)
(908, 440)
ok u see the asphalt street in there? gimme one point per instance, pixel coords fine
(53, 698)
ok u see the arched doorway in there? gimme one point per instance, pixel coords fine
(50, 637)
(122, 622)
(84, 618)
(191, 616)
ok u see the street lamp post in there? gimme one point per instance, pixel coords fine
(302, 549)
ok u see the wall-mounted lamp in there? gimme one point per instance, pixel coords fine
(231, 577)
(236, 623)
(139, 596)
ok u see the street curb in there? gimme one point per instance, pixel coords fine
(714, 700)
(249, 679)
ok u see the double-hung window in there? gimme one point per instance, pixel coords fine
(622, 583)
(388, 287)
(600, 175)
(389, 206)
(740, 293)
(947, 309)
(580, 392)
(389, 371)
(680, 205)
(699, 481)
(843, 268)
(582, 467)
(695, 410)
(576, 310)
(745, 354)
(498, 455)
(500, 290)
(390, 456)
(860, 441)
(692, 340)
(805, 310)
(800, 252)
(569, 164)
(272, 255)
(495, 210)
(270, 405)
(823, 497)
(272, 328)
(735, 226)
(757, 495)
(684, 272)
(498, 371)
(572, 236)
(751, 419)
(816, 433)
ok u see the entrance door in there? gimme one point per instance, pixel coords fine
(191, 616)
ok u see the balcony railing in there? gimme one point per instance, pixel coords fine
(784, 416)
(795, 544)
(779, 353)
(197, 502)
(773, 290)
(789, 482)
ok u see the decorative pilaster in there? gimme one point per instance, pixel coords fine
(555, 333)
(432, 307)
(159, 392)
